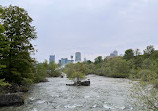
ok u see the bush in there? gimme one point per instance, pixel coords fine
(147, 75)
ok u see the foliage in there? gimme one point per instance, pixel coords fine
(115, 67)
(129, 54)
(40, 71)
(149, 50)
(98, 60)
(53, 70)
(75, 71)
(4, 47)
(18, 34)
(146, 96)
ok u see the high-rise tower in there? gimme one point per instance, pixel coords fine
(77, 56)
(52, 58)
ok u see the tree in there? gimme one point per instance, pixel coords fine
(137, 52)
(149, 49)
(40, 71)
(4, 47)
(75, 71)
(98, 60)
(154, 55)
(19, 32)
(129, 54)
(53, 70)
(89, 62)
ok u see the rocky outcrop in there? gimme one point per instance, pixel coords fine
(79, 83)
(11, 99)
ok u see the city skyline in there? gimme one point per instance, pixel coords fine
(93, 27)
(72, 57)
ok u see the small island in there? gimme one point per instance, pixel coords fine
(76, 72)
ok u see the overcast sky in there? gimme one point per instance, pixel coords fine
(93, 27)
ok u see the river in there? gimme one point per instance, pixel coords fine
(104, 94)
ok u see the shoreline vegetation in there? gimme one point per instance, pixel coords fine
(18, 70)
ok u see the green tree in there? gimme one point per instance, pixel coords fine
(40, 71)
(137, 52)
(4, 47)
(129, 54)
(53, 70)
(149, 49)
(154, 55)
(75, 71)
(19, 32)
(98, 60)
(89, 62)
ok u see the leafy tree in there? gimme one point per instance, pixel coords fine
(120, 68)
(129, 54)
(4, 47)
(89, 62)
(75, 71)
(98, 60)
(40, 71)
(53, 70)
(137, 52)
(149, 49)
(154, 55)
(19, 32)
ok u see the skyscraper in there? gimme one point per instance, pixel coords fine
(115, 52)
(77, 56)
(52, 58)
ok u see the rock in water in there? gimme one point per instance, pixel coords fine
(11, 99)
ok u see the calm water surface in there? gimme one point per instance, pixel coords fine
(104, 94)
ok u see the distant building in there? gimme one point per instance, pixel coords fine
(77, 56)
(65, 61)
(52, 58)
(85, 60)
(60, 62)
(114, 53)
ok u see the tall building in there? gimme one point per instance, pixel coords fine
(77, 56)
(85, 60)
(115, 52)
(65, 61)
(52, 58)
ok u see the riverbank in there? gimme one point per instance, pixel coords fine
(13, 94)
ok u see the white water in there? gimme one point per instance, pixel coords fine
(104, 94)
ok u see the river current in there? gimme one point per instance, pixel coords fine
(104, 94)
